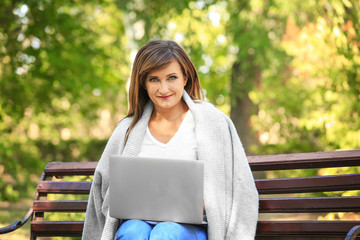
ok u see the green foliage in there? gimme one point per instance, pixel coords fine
(313, 102)
(20, 174)
(63, 70)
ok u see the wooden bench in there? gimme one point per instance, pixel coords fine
(280, 196)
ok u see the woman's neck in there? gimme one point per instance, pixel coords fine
(170, 115)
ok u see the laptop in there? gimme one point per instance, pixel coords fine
(156, 189)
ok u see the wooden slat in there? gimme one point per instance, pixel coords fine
(314, 228)
(70, 168)
(307, 205)
(64, 187)
(268, 228)
(57, 228)
(267, 205)
(60, 206)
(309, 184)
(305, 160)
(257, 163)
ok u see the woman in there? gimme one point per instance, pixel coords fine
(168, 117)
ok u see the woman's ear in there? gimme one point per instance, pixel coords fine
(185, 80)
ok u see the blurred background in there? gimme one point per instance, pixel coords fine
(286, 72)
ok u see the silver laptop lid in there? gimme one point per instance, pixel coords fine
(156, 189)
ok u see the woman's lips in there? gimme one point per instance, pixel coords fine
(165, 97)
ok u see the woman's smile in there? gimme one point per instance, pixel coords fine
(165, 97)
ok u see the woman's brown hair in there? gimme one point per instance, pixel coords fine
(155, 55)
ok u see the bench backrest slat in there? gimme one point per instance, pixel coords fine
(57, 228)
(308, 184)
(309, 205)
(64, 187)
(60, 206)
(70, 168)
(305, 160)
(337, 228)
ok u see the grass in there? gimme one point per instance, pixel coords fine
(9, 212)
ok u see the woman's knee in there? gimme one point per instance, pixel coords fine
(176, 231)
(133, 230)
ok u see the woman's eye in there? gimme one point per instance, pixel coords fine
(152, 79)
(172, 77)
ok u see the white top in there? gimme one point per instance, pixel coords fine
(181, 146)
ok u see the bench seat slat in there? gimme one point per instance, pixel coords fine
(314, 228)
(57, 228)
(70, 168)
(64, 187)
(307, 205)
(305, 160)
(308, 184)
(60, 206)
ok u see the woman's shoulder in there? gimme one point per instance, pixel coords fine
(204, 105)
(208, 108)
(125, 121)
(123, 125)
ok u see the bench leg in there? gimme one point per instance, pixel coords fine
(33, 236)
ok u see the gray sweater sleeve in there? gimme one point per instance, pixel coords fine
(97, 211)
(94, 218)
(244, 210)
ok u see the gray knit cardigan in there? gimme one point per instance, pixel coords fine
(230, 196)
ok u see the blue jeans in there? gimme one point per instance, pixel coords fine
(141, 230)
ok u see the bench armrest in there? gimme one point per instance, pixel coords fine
(16, 224)
(353, 233)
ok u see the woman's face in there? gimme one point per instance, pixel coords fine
(165, 87)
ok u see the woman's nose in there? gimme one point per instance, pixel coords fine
(163, 88)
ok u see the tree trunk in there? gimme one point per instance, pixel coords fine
(243, 78)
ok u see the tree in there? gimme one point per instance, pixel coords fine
(286, 72)
(60, 63)
(314, 106)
